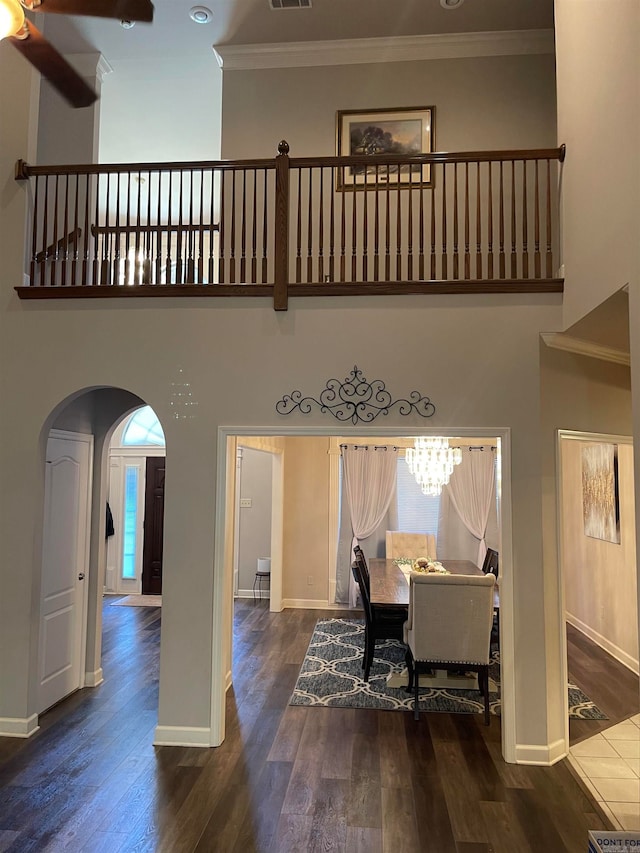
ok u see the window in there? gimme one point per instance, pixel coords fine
(143, 428)
(130, 522)
(417, 513)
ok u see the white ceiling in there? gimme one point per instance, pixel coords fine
(173, 34)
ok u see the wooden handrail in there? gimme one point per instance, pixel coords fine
(335, 225)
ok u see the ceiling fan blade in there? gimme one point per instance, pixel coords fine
(52, 65)
(123, 10)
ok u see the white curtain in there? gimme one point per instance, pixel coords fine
(471, 491)
(369, 486)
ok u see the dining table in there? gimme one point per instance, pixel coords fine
(389, 587)
(390, 579)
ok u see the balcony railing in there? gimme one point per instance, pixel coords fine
(474, 222)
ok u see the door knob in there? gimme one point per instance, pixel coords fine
(81, 576)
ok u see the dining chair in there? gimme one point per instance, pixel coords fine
(381, 623)
(410, 545)
(449, 627)
(359, 555)
(491, 562)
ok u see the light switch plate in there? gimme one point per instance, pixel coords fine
(245, 502)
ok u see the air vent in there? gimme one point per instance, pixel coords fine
(290, 4)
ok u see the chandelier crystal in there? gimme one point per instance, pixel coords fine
(431, 461)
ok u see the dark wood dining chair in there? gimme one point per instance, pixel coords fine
(381, 623)
(491, 562)
(359, 555)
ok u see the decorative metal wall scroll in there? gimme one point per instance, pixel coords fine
(355, 399)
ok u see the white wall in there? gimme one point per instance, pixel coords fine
(150, 113)
(481, 103)
(254, 521)
(599, 121)
(600, 576)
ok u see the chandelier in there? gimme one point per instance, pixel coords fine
(431, 461)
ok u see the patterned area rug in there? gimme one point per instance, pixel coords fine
(331, 676)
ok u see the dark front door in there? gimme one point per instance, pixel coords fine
(153, 527)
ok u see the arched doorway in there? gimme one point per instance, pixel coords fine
(136, 502)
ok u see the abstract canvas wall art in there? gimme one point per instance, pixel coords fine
(600, 501)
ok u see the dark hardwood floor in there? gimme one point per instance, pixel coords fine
(608, 683)
(286, 778)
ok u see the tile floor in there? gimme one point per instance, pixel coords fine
(609, 765)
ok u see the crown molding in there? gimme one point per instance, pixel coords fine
(90, 65)
(376, 50)
(556, 340)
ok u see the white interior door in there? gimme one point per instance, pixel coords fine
(65, 566)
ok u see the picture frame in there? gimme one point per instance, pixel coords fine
(400, 130)
(600, 492)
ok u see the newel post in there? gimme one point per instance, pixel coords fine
(281, 272)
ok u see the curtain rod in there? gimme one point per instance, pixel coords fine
(370, 446)
(473, 446)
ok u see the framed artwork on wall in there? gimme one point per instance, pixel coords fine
(404, 131)
(600, 497)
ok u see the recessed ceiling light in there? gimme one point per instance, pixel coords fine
(127, 25)
(200, 14)
(451, 4)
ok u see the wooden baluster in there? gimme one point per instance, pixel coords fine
(490, 274)
(254, 230)
(34, 233)
(264, 229)
(54, 241)
(332, 225)
(212, 233)
(159, 232)
(127, 237)
(168, 262)
(514, 257)
(180, 246)
(299, 230)
(232, 249)
(85, 234)
(65, 232)
(243, 239)
(138, 236)
(310, 228)
(467, 254)
(478, 226)
(502, 255)
(432, 206)
(376, 235)
(398, 228)
(444, 274)
(96, 277)
(76, 232)
(549, 263)
(343, 225)
(365, 228)
(537, 265)
(387, 229)
(525, 236)
(191, 266)
(222, 233)
(354, 239)
(421, 190)
(321, 228)
(456, 258)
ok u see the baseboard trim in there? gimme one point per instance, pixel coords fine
(93, 679)
(619, 654)
(312, 604)
(544, 755)
(19, 726)
(182, 736)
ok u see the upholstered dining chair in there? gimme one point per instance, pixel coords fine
(449, 627)
(491, 562)
(381, 623)
(411, 545)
